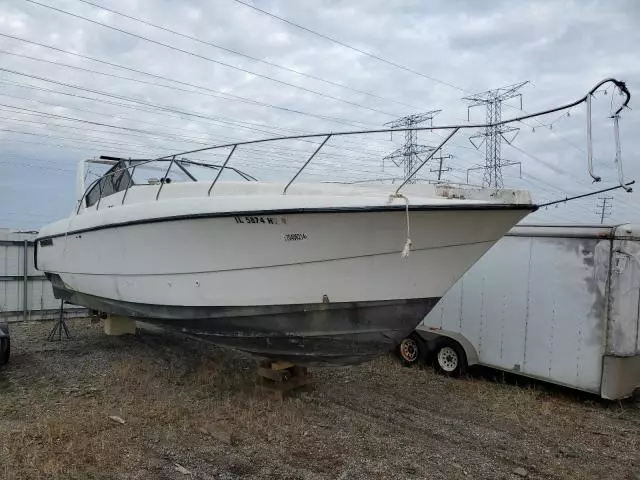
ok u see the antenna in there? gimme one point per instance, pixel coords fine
(605, 205)
(494, 134)
(407, 155)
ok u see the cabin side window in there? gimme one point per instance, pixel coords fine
(115, 180)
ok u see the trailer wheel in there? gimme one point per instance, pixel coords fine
(450, 358)
(412, 350)
(5, 350)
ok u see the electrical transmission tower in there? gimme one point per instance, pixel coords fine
(494, 134)
(407, 155)
(604, 207)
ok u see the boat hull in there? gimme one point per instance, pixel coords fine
(319, 287)
(301, 259)
(317, 334)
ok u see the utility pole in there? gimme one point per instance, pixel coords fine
(494, 134)
(604, 207)
(407, 155)
(440, 158)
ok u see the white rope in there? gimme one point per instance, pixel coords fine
(407, 245)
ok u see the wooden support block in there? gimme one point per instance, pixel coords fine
(280, 391)
(115, 325)
(282, 379)
(274, 375)
(281, 365)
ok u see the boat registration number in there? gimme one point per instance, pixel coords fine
(292, 237)
(263, 220)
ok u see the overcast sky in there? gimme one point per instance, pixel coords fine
(176, 94)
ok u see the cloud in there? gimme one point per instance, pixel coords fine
(562, 47)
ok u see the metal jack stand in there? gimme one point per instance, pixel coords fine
(59, 327)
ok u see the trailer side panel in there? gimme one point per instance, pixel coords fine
(534, 305)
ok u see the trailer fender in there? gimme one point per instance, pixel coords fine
(4, 330)
(431, 335)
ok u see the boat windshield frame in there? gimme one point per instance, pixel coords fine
(120, 176)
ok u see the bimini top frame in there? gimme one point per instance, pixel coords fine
(452, 129)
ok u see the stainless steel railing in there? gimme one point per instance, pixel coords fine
(452, 129)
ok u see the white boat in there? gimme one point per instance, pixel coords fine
(312, 273)
(316, 275)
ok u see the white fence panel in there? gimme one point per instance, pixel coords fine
(25, 294)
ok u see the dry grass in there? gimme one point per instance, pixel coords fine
(191, 404)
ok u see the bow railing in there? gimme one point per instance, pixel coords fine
(451, 129)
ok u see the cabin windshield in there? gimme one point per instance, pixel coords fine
(124, 174)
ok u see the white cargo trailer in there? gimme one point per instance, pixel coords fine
(557, 303)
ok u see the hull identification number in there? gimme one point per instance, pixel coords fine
(292, 237)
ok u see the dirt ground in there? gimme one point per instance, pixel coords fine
(192, 410)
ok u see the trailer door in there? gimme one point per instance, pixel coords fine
(624, 294)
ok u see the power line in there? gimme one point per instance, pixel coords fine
(101, 114)
(160, 107)
(209, 59)
(290, 153)
(217, 93)
(274, 16)
(235, 52)
(163, 134)
(186, 140)
(234, 97)
(39, 167)
(79, 120)
(350, 47)
(546, 185)
(343, 44)
(121, 97)
(19, 155)
(218, 119)
(58, 145)
(279, 168)
(98, 142)
(389, 62)
(163, 109)
(89, 135)
(88, 70)
(559, 170)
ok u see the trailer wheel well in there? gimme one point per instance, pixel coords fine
(432, 336)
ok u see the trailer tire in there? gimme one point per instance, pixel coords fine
(412, 350)
(5, 350)
(449, 358)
